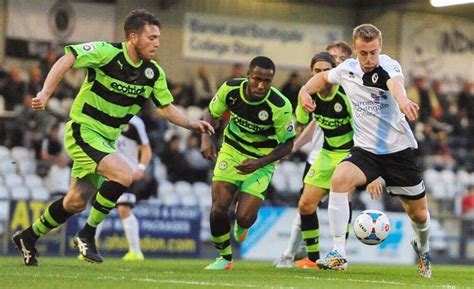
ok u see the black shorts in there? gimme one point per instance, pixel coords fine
(400, 171)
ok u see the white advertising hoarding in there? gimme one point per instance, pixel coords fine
(268, 238)
(230, 39)
(437, 47)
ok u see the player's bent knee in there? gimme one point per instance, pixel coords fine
(245, 221)
(74, 206)
(419, 216)
(306, 207)
(218, 211)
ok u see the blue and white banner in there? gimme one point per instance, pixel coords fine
(268, 238)
(165, 231)
(230, 39)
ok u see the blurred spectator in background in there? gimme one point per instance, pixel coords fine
(47, 62)
(181, 93)
(204, 87)
(291, 87)
(35, 82)
(419, 93)
(468, 202)
(466, 99)
(30, 127)
(174, 160)
(237, 71)
(52, 144)
(14, 89)
(198, 166)
(441, 95)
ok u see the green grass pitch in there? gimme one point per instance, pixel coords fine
(69, 273)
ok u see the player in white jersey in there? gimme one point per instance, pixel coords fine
(134, 147)
(383, 142)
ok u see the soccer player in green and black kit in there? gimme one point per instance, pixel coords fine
(333, 115)
(260, 132)
(120, 78)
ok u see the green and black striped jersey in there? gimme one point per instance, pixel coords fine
(255, 127)
(334, 115)
(115, 88)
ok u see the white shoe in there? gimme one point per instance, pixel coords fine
(284, 261)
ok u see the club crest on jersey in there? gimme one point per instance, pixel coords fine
(88, 47)
(149, 73)
(375, 77)
(263, 115)
(338, 107)
(223, 165)
(290, 127)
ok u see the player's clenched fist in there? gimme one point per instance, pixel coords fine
(39, 102)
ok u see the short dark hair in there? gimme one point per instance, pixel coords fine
(323, 56)
(137, 19)
(263, 62)
(344, 46)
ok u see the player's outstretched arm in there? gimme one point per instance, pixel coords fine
(177, 117)
(208, 142)
(251, 165)
(397, 88)
(305, 136)
(55, 75)
(315, 84)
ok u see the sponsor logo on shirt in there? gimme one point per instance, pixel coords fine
(337, 107)
(129, 89)
(247, 124)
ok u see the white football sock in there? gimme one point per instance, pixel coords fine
(338, 211)
(130, 227)
(422, 232)
(294, 241)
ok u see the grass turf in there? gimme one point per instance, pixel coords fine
(186, 273)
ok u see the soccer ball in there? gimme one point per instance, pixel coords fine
(371, 227)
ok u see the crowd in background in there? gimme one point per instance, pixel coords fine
(444, 132)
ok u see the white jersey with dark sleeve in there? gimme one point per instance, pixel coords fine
(132, 136)
(379, 125)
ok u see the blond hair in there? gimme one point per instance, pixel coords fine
(345, 48)
(367, 33)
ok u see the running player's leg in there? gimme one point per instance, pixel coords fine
(246, 214)
(307, 207)
(253, 189)
(417, 210)
(55, 215)
(403, 179)
(119, 177)
(345, 179)
(222, 196)
(131, 226)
